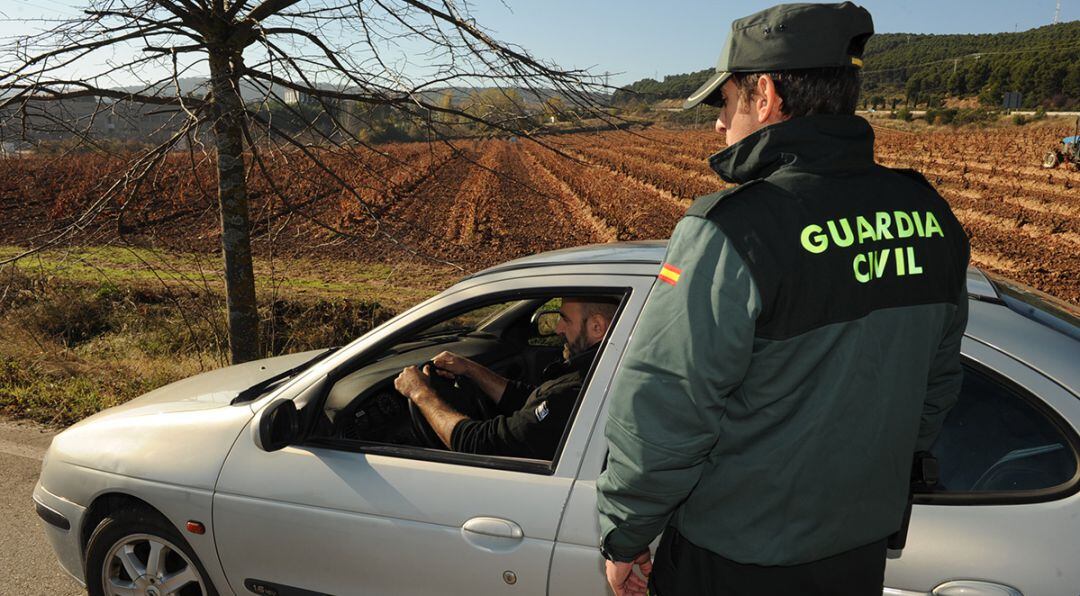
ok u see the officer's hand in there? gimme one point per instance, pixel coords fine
(450, 365)
(412, 382)
(623, 580)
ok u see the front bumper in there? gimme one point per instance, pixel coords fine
(55, 513)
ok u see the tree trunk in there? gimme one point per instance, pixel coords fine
(227, 112)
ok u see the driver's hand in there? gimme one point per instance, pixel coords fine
(412, 382)
(450, 365)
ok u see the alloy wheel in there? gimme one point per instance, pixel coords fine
(148, 565)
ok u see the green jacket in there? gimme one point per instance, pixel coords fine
(800, 344)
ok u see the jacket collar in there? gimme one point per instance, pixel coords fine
(577, 363)
(819, 143)
(583, 360)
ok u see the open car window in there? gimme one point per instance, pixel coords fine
(362, 411)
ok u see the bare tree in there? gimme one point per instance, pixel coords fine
(345, 61)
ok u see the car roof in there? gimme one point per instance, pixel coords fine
(651, 252)
(640, 252)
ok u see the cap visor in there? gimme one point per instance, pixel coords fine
(705, 91)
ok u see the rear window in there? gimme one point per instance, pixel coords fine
(1039, 306)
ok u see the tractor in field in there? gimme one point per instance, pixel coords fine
(1067, 153)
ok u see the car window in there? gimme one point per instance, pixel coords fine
(551, 341)
(362, 409)
(364, 406)
(995, 440)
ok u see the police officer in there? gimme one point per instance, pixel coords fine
(800, 345)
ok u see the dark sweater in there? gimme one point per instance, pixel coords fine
(531, 419)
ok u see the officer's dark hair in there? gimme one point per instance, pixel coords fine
(832, 90)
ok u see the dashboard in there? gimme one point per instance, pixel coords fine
(364, 406)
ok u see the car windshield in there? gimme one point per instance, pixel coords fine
(467, 322)
(263, 387)
(1038, 306)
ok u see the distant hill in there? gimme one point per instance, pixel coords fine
(253, 93)
(1043, 64)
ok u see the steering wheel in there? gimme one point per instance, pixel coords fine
(459, 393)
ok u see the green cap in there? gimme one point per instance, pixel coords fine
(790, 37)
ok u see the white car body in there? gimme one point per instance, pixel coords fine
(319, 519)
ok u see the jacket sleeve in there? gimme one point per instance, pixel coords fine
(945, 377)
(690, 349)
(533, 432)
(513, 397)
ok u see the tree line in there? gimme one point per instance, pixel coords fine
(458, 113)
(1042, 64)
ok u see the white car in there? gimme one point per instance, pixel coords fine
(308, 474)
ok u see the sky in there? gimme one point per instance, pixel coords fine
(638, 39)
(633, 39)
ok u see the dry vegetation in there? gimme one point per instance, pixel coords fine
(86, 329)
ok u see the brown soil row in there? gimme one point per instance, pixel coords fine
(488, 201)
(1056, 177)
(660, 147)
(1049, 265)
(578, 207)
(635, 211)
(680, 161)
(1065, 190)
(681, 184)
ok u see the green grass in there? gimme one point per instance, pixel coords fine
(28, 390)
(124, 267)
(87, 328)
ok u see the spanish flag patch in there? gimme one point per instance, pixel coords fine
(669, 274)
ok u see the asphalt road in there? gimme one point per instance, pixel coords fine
(27, 563)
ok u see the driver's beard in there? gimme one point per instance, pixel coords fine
(579, 345)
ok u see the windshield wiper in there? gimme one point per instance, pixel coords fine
(260, 388)
(450, 332)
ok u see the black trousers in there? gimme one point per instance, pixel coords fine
(681, 568)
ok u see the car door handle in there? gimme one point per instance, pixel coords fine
(493, 526)
(974, 588)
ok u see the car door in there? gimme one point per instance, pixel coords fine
(981, 543)
(321, 520)
(1005, 519)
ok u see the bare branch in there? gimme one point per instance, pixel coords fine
(50, 92)
(267, 8)
(297, 90)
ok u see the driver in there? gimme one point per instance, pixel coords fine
(531, 419)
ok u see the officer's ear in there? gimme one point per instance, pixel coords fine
(766, 104)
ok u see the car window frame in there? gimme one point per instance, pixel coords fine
(1022, 497)
(525, 465)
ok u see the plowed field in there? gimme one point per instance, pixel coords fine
(478, 203)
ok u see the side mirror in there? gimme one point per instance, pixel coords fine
(545, 323)
(278, 425)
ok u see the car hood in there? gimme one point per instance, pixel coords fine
(211, 389)
(177, 434)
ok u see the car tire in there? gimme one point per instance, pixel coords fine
(121, 547)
